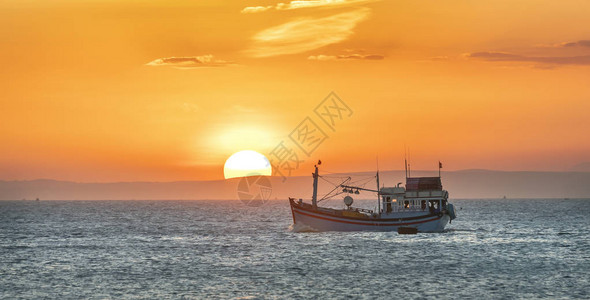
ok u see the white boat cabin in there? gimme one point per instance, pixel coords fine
(421, 194)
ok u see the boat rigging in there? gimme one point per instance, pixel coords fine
(422, 206)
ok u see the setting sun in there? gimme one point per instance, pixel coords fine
(246, 163)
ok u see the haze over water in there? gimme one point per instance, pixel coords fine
(224, 249)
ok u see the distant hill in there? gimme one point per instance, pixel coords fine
(460, 184)
(581, 167)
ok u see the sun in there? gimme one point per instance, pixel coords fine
(246, 163)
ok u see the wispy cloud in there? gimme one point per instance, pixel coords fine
(255, 9)
(355, 56)
(305, 4)
(581, 43)
(189, 62)
(574, 44)
(546, 56)
(439, 58)
(306, 34)
(509, 57)
(318, 3)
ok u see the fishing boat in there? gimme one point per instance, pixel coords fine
(422, 206)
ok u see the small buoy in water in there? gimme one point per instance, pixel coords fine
(407, 230)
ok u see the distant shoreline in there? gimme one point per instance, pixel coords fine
(465, 184)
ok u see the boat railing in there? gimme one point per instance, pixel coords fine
(430, 194)
(363, 210)
(411, 208)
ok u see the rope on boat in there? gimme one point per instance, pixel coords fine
(361, 183)
(336, 187)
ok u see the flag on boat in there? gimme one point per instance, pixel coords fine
(439, 165)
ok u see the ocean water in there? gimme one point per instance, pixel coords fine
(223, 249)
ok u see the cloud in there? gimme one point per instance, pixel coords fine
(547, 56)
(323, 57)
(189, 62)
(305, 4)
(306, 34)
(255, 9)
(318, 3)
(494, 56)
(439, 58)
(508, 57)
(581, 43)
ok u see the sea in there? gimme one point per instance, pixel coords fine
(212, 249)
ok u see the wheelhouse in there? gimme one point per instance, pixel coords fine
(420, 194)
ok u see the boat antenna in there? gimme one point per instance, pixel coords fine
(409, 169)
(406, 161)
(406, 166)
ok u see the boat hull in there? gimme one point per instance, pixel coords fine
(317, 220)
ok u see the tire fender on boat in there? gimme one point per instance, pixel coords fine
(451, 211)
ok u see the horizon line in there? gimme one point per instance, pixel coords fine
(274, 176)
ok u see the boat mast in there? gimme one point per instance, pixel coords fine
(378, 194)
(314, 199)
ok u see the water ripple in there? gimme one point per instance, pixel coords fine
(222, 249)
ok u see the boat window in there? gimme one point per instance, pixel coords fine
(406, 204)
(389, 209)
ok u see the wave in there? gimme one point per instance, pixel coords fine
(299, 227)
(464, 229)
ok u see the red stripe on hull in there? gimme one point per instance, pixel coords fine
(357, 223)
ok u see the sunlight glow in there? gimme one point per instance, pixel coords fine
(246, 163)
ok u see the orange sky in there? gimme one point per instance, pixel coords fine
(105, 90)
